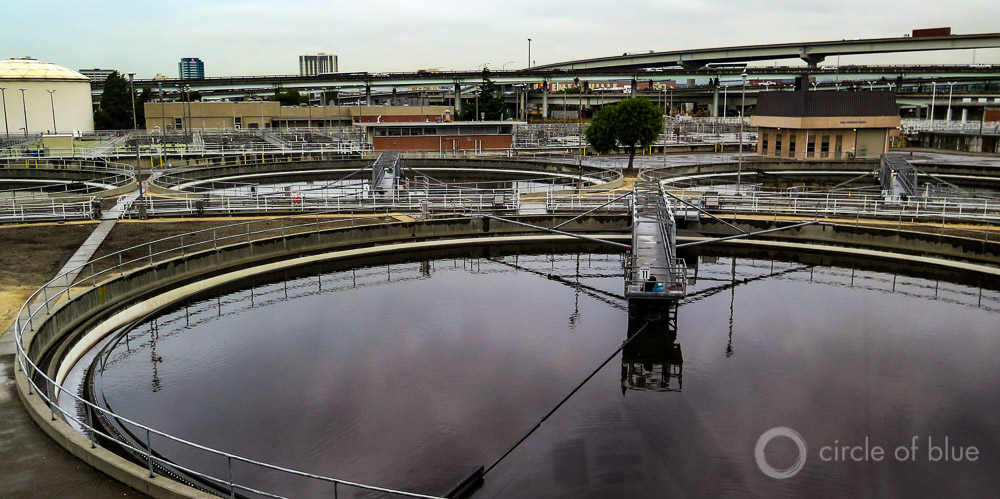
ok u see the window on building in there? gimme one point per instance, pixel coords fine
(777, 144)
(791, 145)
(238, 122)
(824, 147)
(839, 148)
(811, 147)
(179, 123)
(253, 125)
(763, 145)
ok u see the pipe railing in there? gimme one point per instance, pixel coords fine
(18, 210)
(406, 201)
(62, 288)
(103, 175)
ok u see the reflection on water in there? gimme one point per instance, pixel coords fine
(651, 358)
(407, 375)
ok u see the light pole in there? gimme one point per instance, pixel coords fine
(951, 86)
(871, 86)
(725, 100)
(135, 124)
(52, 104)
(666, 114)
(3, 94)
(579, 132)
(135, 128)
(163, 116)
(24, 107)
(814, 84)
(504, 67)
(529, 53)
(739, 167)
(933, 95)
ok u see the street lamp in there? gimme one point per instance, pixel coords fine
(131, 84)
(135, 128)
(163, 116)
(871, 85)
(3, 94)
(739, 167)
(24, 107)
(951, 86)
(504, 67)
(52, 103)
(529, 53)
(814, 84)
(579, 132)
(933, 95)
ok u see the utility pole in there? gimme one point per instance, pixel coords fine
(529, 53)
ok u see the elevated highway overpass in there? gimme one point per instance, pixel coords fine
(437, 79)
(812, 53)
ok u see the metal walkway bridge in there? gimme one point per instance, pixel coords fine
(653, 270)
(897, 177)
(385, 171)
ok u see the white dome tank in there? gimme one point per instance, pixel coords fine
(38, 90)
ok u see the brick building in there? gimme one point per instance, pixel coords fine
(454, 136)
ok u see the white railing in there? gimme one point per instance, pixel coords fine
(100, 175)
(911, 126)
(414, 201)
(47, 299)
(17, 210)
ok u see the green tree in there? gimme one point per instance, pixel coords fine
(629, 124)
(189, 96)
(491, 104)
(115, 111)
(290, 98)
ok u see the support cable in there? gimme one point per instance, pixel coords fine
(566, 398)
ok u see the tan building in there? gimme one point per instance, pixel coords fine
(268, 114)
(825, 125)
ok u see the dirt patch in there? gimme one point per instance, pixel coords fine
(30, 256)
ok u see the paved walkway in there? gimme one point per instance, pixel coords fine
(32, 464)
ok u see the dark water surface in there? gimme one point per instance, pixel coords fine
(407, 375)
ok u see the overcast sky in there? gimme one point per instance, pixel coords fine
(265, 37)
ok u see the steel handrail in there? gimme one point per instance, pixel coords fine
(31, 370)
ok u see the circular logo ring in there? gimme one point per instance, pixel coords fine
(780, 431)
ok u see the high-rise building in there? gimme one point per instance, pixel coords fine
(191, 68)
(312, 65)
(97, 75)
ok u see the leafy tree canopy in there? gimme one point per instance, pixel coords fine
(291, 98)
(627, 125)
(115, 111)
(491, 104)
